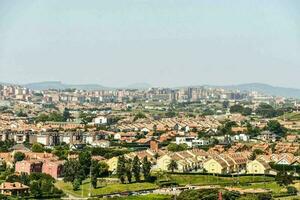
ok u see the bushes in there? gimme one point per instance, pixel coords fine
(292, 168)
(37, 147)
(107, 153)
(292, 190)
(19, 156)
(175, 147)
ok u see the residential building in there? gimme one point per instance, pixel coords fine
(14, 189)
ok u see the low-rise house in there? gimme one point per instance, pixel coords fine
(287, 147)
(190, 160)
(217, 149)
(29, 166)
(53, 168)
(267, 136)
(239, 129)
(151, 155)
(7, 159)
(226, 163)
(292, 138)
(238, 147)
(101, 143)
(282, 159)
(240, 137)
(192, 141)
(14, 189)
(258, 167)
(124, 135)
(217, 166)
(100, 120)
(261, 146)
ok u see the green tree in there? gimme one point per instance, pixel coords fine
(70, 170)
(42, 118)
(292, 190)
(66, 114)
(177, 147)
(236, 109)
(103, 169)
(172, 165)
(19, 156)
(76, 184)
(6, 145)
(284, 179)
(24, 178)
(247, 111)
(252, 131)
(35, 189)
(46, 186)
(266, 110)
(210, 194)
(21, 114)
(230, 195)
(56, 117)
(85, 159)
(275, 127)
(128, 169)
(146, 166)
(264, 196)
(139, 115)
(225, 104)
(136, 168)
(121, 169)
(170, 114)
(94, 173)
(37, 147)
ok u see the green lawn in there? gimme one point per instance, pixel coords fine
(106, 189)
(273, 186)
(145, 197)
(207, 180)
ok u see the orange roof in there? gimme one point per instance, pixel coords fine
(13, 186)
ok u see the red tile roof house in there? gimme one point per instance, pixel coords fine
(16, 188)
(29, 166)
(53, 168)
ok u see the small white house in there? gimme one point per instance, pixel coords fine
(240, 137)
(100, 120)
(101, 143)
(42, 139)
(191, 141)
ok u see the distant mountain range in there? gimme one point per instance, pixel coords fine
(259, 87)
(265, 89)
(58, 85)
(61, 86)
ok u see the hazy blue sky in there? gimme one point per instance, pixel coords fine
(161, 42)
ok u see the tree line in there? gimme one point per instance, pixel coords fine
(128, 168)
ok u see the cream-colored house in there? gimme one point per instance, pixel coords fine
(258, 167)
(226, 163)
(190, 160)
(112, 164)
(216, 166)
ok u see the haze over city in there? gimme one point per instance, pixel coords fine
(163, 43)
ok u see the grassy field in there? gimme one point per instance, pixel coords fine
(107, 189)
(291, 116)
(145, 197)
(273, 186)
(207, 180)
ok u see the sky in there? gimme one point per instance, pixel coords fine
(161, 42)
